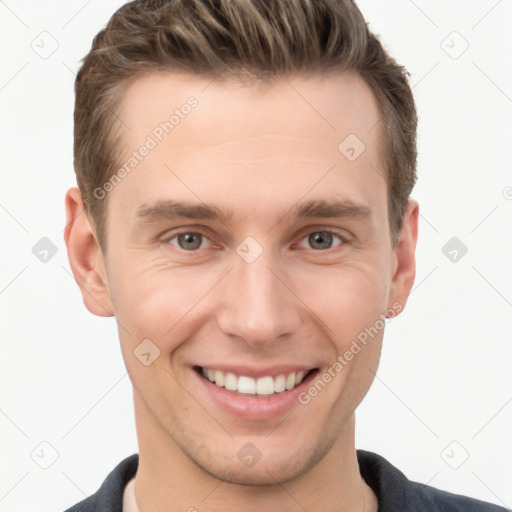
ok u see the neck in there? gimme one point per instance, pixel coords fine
(167, 479)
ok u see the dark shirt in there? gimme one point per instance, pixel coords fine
(395, 493)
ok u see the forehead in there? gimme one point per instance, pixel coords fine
(317, 105)
(268, 139)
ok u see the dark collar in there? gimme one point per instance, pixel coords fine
(394, 491)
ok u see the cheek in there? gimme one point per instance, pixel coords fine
(153, 300)
(346, 299)
(156, 309)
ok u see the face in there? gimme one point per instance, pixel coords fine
(250, 245)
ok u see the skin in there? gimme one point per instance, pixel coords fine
(256, 152)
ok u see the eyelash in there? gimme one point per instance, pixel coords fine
(197, 231)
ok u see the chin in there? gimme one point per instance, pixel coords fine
(274, 468)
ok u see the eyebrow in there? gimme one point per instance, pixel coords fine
(329, 209)
(167, 209)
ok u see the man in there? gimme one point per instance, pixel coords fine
(245, 168)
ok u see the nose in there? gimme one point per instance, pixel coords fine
(258, 303)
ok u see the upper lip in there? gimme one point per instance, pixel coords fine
(257, 372)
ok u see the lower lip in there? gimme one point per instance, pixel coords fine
(255, 407)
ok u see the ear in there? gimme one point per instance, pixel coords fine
(404, 260)
(85, 256)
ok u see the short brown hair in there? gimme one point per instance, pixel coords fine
(260, 39)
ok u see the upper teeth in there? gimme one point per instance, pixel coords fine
(262, 386)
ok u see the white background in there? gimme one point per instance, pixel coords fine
(445, 370)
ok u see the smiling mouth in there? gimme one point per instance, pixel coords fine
(263, 386)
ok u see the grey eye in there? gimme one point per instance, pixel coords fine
(188, 241)
(320, 240)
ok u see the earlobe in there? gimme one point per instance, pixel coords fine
(404, 259)
(85, 256)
